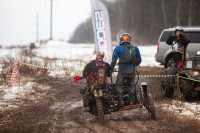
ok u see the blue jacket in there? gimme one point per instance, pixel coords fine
(119, 52)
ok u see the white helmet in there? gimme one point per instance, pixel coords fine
(178, 28)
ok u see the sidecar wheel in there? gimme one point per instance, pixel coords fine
(150, 107)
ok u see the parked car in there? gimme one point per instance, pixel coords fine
(164, 51)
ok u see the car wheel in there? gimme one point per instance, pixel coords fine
(166, 90)
(168, 62)
(185, 89)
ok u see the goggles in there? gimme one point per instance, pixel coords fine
(127, 38)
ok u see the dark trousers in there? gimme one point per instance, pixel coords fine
(177, 57)
(130, 77)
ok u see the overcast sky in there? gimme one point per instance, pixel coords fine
(18, 19)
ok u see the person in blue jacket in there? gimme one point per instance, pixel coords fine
(129, 58)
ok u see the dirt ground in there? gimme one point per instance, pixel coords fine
(58, 108)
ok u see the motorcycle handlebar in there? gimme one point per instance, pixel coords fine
(78, 79)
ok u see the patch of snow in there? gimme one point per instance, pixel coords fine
(57, 73)
(14, 92)
(148, 56)
(191, 110)
(76, 104)
(68, 106)
(9, 96)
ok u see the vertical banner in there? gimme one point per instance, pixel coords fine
(101, 27)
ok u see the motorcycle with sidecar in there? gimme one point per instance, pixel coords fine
(104, 100)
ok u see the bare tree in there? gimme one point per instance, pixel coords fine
(143, 19)
(190, 13)
(164, 14)
(178, 12)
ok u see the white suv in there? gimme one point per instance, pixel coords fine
(163, 54)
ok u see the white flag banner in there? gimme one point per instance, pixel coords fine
(101, 27)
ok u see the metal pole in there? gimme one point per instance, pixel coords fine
(37, 28)
(178, 87)
(51, 16)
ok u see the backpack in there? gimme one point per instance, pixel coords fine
(99, 74)
(130, 55)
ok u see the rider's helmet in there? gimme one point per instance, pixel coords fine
(125, 38)
(100, 55)
(178, 28)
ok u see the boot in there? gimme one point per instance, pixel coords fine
(133, 99)
(87, 109)
(120, 102)
(86, 103)
(131, 102)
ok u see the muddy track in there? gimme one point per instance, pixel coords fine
(58, 108)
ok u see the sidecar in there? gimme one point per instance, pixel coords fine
(145, 100)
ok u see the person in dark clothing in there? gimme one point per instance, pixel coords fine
(93, 75)
(91, 67)
(179, 44)
(129, 58)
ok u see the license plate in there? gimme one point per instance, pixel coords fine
(189, 64)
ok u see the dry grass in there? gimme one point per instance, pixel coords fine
(26, 56)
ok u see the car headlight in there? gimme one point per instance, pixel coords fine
(196, 65)
(198, 52)
(194, 73)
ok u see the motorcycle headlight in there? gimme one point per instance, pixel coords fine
(98, 93)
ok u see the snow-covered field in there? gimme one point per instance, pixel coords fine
(85, 52)
(71, 56)
(76, 54)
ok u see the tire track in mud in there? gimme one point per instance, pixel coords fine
(60, 110)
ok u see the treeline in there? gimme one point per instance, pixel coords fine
(143, 19)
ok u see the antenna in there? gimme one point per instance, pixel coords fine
(37, 28)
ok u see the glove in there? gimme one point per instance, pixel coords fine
(111, 71)
(114, 70)
(181, 35)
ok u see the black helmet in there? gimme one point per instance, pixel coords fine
(125, 37)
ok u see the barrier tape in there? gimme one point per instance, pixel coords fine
(189, 78)
(52, 69)
(155, 76)
(79, 72)
(8, 68)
